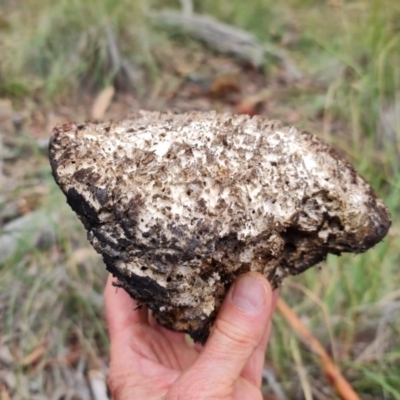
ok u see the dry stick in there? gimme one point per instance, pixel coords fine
(225, 39)
(332, 372)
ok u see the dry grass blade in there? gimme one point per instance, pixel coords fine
(305, 384)
(331, 370)
(315, 299)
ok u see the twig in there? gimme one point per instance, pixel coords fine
(331, 371)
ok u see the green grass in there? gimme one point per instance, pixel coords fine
(348, 50)
(64, 44)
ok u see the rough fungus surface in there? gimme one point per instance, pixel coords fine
(179, 205)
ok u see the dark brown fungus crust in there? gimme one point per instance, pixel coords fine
(179, 205)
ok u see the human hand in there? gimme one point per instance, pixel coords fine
(150, 362)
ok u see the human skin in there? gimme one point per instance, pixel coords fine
(153, 363)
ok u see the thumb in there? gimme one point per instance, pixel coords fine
(238, 329)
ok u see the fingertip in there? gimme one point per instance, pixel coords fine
(272, 294)
(251, 293)
(239, 327)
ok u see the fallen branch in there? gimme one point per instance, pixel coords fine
(332, 372)
(224, 38)
(217, 35)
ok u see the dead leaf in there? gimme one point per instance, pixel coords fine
(33, 357)
(251, 104)
(102, 102)
(224, 84)
(293, 116)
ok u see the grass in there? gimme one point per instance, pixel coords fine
(349, 53)
(68, 44)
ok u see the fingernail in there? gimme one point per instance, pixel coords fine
(249, 294)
